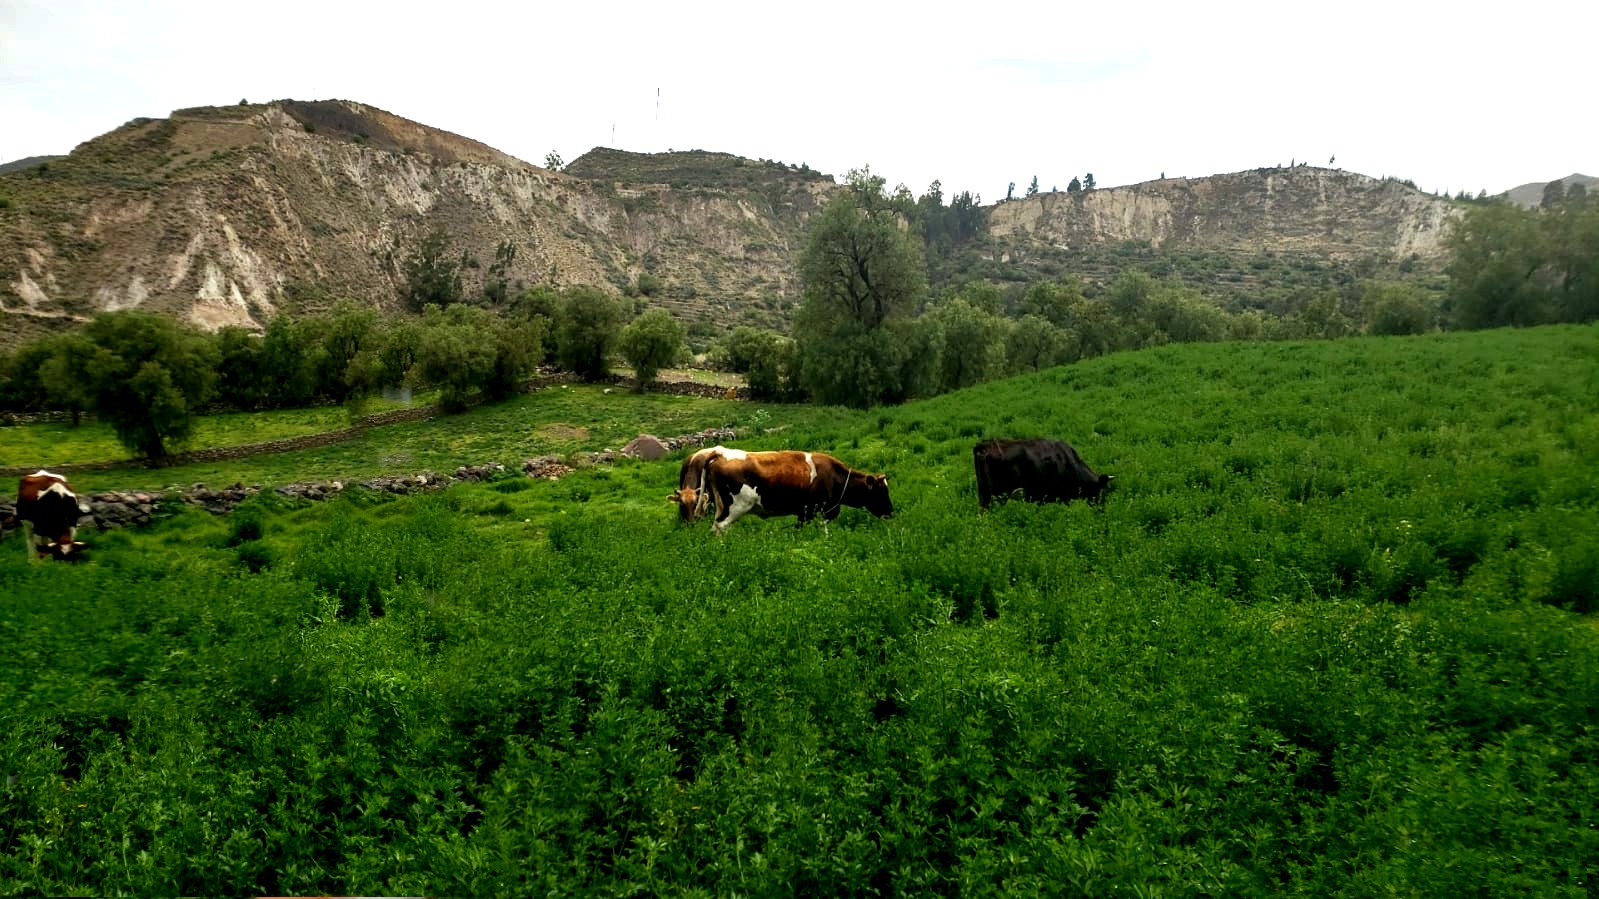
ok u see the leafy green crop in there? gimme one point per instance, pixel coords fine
(1331, 634)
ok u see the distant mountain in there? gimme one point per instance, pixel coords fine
(1531, 195)
(17, 165)
(227, 215)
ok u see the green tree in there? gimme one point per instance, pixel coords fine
(1097, 330)
(1569, 250)
(862, 271)
(540, 304)
(1032, 189)
(288, 362)
(765, 358)
(1075, 186)
(1494, 258)
(966, 220)
(345, 333)
(969, 344)
(650, 343)
(21, 388)
(1179, 314)
(518, 349)
(552, 161)
(1052, 300)
(146, 376)
(647, 284)
(586, 327)
(497, 284)
(1034, 343)
(1088, 181)
(64, 374)
(1392, 308)
(934, 217)
(432, 275)
(1554, 193)
(456, 353)
(397, 350)
(1321, 315)
(240, 381)
(985, 296)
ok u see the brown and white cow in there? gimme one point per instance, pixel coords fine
(1043, 470)
(692, 495)
(792, 482)
(49, 512)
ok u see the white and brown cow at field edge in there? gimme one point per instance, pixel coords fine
(791, 482)
(48, 511)
(693, 496)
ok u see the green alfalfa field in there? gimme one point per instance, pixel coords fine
(1333, 634)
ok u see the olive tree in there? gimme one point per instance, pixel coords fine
(863, 272)
(145, 375)
(650, 343)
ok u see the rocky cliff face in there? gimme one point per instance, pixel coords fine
(224, 216)
(1327, 212)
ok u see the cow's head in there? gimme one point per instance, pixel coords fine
(1100, 489)
(690, 503)
(876, 501)
(684, 500)
(65, 550)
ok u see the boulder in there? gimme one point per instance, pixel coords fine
(646, 447)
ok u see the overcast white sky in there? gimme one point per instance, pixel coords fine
(978, 94)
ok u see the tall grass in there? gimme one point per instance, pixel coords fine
(1330, 635)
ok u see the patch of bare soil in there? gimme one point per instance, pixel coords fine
(558, 431)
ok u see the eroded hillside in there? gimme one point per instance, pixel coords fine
(227, 215)
(223, 216)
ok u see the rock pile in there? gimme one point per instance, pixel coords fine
(550, 468)
(218, 502)
(480, 472)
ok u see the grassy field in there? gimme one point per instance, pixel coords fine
(1332, 634)
(559, 420)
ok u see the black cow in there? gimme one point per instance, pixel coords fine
(1043, 470)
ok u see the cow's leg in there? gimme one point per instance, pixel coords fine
(744, 500)
(27, 541)
(702, 495)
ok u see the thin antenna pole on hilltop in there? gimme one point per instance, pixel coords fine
(657, 104)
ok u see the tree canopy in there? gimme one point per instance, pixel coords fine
(145, 375)
(587, 323)
(650, 343)
(862, 270)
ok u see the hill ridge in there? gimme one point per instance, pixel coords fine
(228, 215)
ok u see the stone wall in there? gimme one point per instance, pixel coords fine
(125, 508)
(328, 438)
